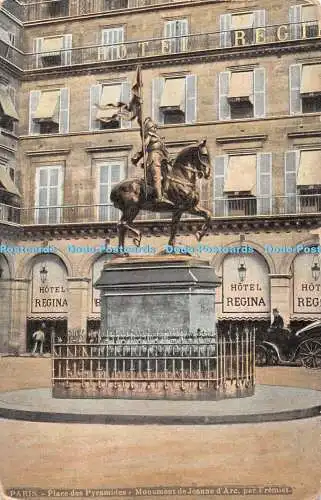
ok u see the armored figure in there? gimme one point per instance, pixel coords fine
(157, 159)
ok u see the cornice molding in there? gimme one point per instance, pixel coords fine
(107, 149)
(155, 228)
(304, 133)
(48, 152)
(241, 138)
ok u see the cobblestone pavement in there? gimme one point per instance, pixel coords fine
(84, 456)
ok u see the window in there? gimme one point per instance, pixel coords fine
(57, 8)
(49, 111)
(303, 21)
(116, 4)
(111, 41)
(8, 113)
(52, 51)
(176, 39)
(109, 173)
(242, 184)
(104, 110)
(174, 99)
(242, 94)
(49, 194)
(302, 181)
(240, 28)
(305, 88)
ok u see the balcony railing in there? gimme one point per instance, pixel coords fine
(12, 55)
(155, 47)
(9, 213)
(15, 8)
(222, 208)
(37, 11)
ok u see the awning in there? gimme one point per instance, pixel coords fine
(48, 106)
(241, 21)
(173, 95)
(309, 172)
(7, 104)
(4, 36)
(52, 46)
(241, 85)
(311, 79)
(110, 97)
(7, 182)
(309, 13)
(241, 174)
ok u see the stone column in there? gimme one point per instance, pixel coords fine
(19, 307)
(281, 295)
(5, 314)
(77, 303)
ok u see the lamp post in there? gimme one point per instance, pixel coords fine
(43, 275)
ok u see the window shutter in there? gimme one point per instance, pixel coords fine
(95, 93)
(259, 18)
(182, 32)
(224, 110)
(125, 98)
(34, 127)
(290, 175)
(295, 16)
(225, 30)
(157, 91)
(49, 186)
(220, 169)
(295, 86)
(66, 54)
(264, 183)
(170, 33)
(259, 92)
(191, 98)
(37, 49)
(64, 111)
(13, 97)
(109, 175)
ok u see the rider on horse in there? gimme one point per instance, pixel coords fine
(158, 159)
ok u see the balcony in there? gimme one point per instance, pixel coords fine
(158, 47)
(38, 11)
(12, 55)
(231, 208)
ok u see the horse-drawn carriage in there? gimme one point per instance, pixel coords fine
(287, 348)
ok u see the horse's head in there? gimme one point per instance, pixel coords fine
(204, 167)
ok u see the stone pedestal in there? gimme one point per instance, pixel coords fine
(157, 293)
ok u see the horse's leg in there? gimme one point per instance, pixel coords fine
(202, 212)
(121, 231)
(125, 221)
(175, 221)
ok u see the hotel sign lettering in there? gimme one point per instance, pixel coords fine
(251, 295)
(49, 287)
(306, 291)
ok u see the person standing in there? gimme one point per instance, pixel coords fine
(39, 338)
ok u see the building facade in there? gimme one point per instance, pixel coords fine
(244, 75)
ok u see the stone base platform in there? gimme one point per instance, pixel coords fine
(270, 403)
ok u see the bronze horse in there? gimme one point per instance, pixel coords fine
(180, 187)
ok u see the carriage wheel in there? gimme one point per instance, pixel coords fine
(260, 356)
(309, 353)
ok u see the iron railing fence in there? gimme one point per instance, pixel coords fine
(150, 48)
(221, 208)
(37, 11)
(156, 365)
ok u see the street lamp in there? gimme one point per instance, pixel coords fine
(315, 268)
(242, 270)
(43, 275)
